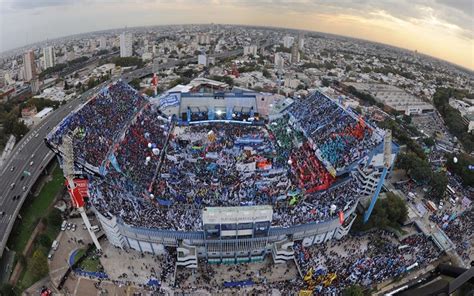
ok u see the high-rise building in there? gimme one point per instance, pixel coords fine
(203, 38)
(49, 58)
(279, 60)
(202, 59)
(29, 65)
(301, 41)
(250, 50)
(126, 45)
(288, 41)
(295, 54)
(102, 42)
(92, 44)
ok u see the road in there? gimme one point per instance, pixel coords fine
(31, 153)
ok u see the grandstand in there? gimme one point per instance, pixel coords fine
(174, 171)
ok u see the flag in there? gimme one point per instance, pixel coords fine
(341, 217)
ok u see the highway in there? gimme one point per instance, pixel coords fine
(31, 153)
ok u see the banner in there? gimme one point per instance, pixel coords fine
(79, 192)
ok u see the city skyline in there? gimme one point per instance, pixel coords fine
(445, 28)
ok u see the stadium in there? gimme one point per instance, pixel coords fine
(227, 175)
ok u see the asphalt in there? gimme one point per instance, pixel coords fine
(31, 153)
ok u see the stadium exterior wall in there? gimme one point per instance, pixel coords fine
(154, 240)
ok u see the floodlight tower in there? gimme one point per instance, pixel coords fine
(387, 162)
(77, 200)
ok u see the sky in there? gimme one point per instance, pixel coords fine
(440, 28)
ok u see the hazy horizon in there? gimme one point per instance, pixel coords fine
(437, 28)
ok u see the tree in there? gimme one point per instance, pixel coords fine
(54, 218)
(430, 142)
(354, 290)
(135, 83)
(388, 212)
(39, 264)
(8, 289)
(461, 167)
(149, 92)
(438, 184)
(91, 83)
(326, 82)
(266, 74)
(420, 172)
(44, 241)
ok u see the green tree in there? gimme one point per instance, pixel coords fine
(326, 82)
(461, 167)
(39, 264)
(266, 73)
(91, 83)
(388, 212)
(135, 83)
(438, 184)
(44, 241)
(354, 290)
(149, 92)
(54, 218)
(7, 289)
(430, 142)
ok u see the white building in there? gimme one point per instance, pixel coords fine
(29, 65)
(288, 41)
(202, 59)
(147, 56)
(394, 97)
(126, 45)
(49, 58)
(295, 54)
(41, 115)
(279, 60)
(203, 38)
(250, 50)
(53, 94)
(301, 43)
(102, 42)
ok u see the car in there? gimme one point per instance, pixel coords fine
(2, 213)
(74, 226)
(22, 177)
(69, 225)
(32, 155)
(50, 256)
(12, 169)
(31, 163)
(36, 136)
(63, 226)
(23, 188)
(12, 185)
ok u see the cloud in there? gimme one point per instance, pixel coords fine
(390, 21)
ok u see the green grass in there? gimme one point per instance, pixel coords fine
(33, 210)
(89, 263)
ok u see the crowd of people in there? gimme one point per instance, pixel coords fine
(311, 174)
(138, 153)
(212, 165)
(330, 267)
(98, 123)
(158, 175)
(340, 138)
(460, 230)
